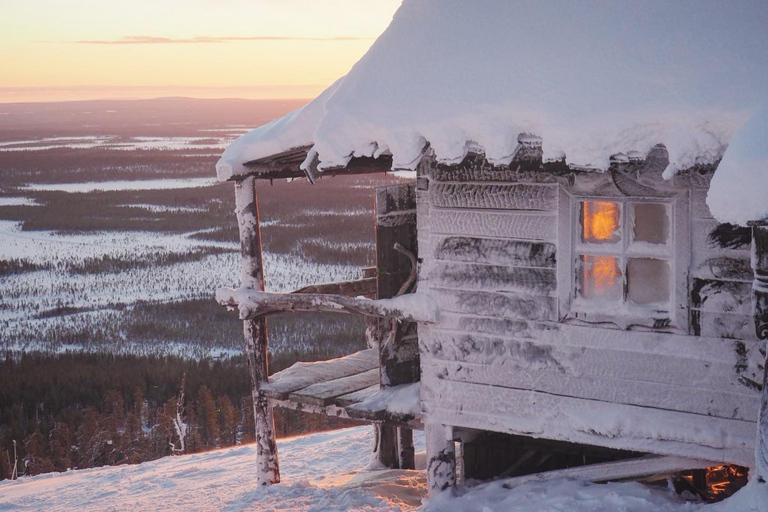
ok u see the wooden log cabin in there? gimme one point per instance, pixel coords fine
(563, 314)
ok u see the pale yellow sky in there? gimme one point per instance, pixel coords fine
(54, 50)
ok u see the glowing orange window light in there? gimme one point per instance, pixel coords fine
(600, 222)
(601, 277)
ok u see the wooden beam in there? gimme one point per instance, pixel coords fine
(618, 470)
(253, 303)
(255, 331)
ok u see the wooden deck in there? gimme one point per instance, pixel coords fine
(346, 387)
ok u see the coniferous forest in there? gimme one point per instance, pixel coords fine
(80, 410)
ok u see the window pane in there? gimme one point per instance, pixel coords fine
(600, 278)
(600, 222)
(651, 223)
(648, 281)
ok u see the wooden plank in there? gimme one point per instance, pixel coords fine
(492, 251)
(671, 369)
(492, 278)
(503, 197)
(525, 225)
(538, 374)
(395, 198)
(739, 355)
(324, 393)
(617, 470)
(576, 420)
(507, 305)
(301, 375)
(356, 396)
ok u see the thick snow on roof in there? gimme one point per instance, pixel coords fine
(739, 190)
(591, 78)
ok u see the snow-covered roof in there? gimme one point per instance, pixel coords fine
(591, 78)
(739, 189)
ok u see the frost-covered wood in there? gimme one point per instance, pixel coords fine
(760, 305)
(512, 224)
(531, 413)
(301, 375)
(324, 393)
(493, 278)
(253, 304)
(619, 470)
(441, 457)
(511, 197)
(255, 331)
(507, 305)
(491, 251)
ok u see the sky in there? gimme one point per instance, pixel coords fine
(54, 50)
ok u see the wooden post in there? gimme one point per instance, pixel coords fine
(406, 454)
(760, 309)
(255, 330)
(441, 458)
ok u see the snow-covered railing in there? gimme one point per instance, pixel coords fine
(251, 303)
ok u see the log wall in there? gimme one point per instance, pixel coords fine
(505, 357)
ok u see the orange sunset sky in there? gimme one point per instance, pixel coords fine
(54, 50)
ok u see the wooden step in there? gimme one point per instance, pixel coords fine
(325, 393)
(303, 375)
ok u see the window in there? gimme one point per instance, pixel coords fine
(623, 255)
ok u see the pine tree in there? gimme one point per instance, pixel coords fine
(207, 418)
(227, 421)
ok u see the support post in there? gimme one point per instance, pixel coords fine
(760, 309)
(406, 454)
(255, 331)
(441, 458)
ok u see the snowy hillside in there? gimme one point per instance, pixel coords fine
(321, 472)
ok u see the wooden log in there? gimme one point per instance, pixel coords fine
(504, 197)
(492, 251)
(354, 288)
(760, 305)
(525, 225)
(255, 331)
(385, 448)
(406, 454)
(254, 303)
(506, 305)
(441, 458)
(493, 278)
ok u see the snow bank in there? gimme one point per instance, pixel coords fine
(739, 190)
(591, 78)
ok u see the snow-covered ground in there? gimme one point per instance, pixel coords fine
(320, 472)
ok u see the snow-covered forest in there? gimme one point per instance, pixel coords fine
(112, 241)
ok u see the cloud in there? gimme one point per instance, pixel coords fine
(210, 39)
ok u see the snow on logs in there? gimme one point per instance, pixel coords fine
(412, 307)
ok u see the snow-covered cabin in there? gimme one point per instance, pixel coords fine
(573, 286)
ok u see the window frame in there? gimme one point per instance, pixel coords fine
(676, 251)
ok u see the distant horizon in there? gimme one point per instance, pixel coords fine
(12, 95)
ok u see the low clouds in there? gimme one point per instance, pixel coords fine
(210, 39)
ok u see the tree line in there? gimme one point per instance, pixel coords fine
(78, 410)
